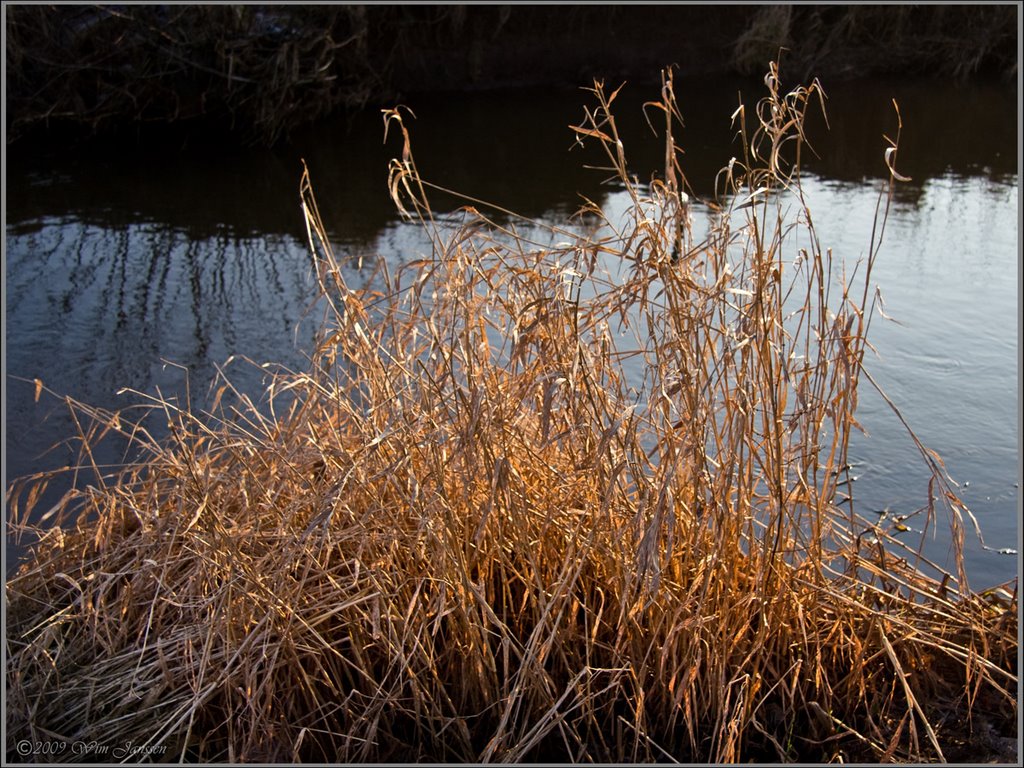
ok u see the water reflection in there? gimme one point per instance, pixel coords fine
(94, 309)
(950, 360)
(126, 256)
(514, 149)
(965, 130)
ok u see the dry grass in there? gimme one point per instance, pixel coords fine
(469, 533)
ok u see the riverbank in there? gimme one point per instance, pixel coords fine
(459, 534)
(260, 71)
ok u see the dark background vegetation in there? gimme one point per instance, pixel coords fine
(263, 70)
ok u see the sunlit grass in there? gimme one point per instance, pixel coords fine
(465, 533)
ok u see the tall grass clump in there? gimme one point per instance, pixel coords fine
(571, 494)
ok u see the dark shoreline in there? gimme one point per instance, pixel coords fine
(259, 71)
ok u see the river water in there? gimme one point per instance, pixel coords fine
(129, 262)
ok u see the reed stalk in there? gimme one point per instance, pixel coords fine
(566, 496)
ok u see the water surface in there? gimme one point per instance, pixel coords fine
(128, 262)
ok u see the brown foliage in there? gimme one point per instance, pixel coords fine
(468, 533)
